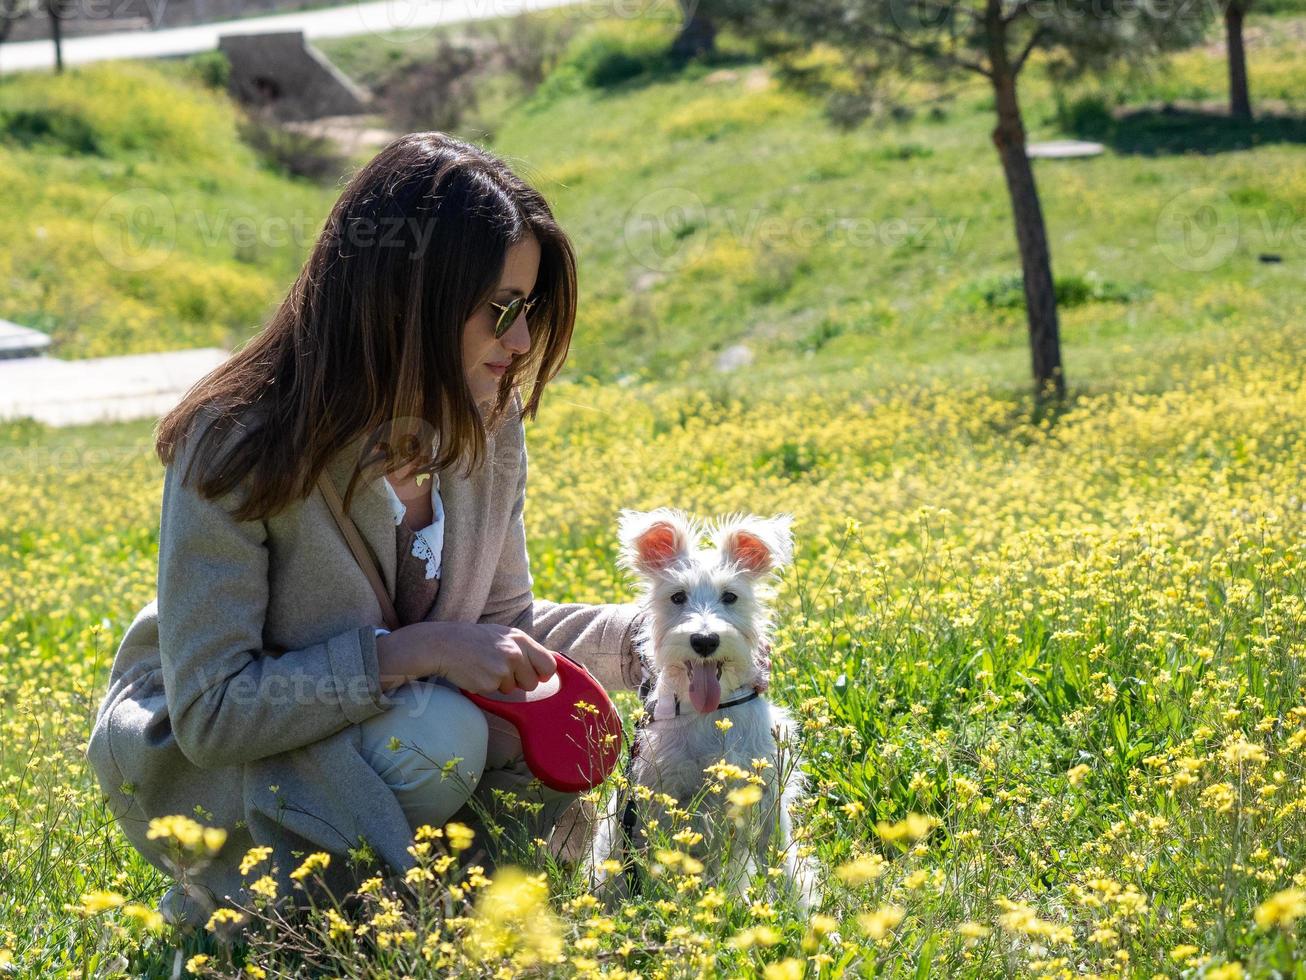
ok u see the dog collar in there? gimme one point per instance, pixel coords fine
(655, 712)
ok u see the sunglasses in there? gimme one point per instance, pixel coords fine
(508, 314)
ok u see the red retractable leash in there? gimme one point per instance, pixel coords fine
(571, 736)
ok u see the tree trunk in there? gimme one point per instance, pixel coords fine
(1031, 231)
(56, 33)
(697, 34)
(1240, 103)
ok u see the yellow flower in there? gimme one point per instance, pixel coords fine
(1243, 751)
(788, 969)
(459, 836)
(879, 923)
(143, 916)
(197, 962)
(916, 879)
(314, 862)
(762, 935)
(824, 924)
(866, 868)
(95, 902)
(223, 917)
(745, 796)
(513, 921)
(253, 858)
(1230, 971)
(1075, 775)
(1282, 909)
(187, 834)
(914, 827)
(265, 886)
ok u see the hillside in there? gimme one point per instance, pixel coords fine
(145, 222)
(711, 209)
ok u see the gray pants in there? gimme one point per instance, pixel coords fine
(434, 724)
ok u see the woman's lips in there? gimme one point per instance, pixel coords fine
(497, 369)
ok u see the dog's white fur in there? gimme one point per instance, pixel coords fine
(687, 590)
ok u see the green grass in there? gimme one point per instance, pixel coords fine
(1116, 586)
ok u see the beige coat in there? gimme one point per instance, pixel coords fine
(235, 695)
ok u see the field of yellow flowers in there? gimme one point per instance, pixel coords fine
(1050, 674)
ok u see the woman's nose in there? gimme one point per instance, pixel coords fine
(518, 337)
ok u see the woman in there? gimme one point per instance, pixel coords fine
(257, 691)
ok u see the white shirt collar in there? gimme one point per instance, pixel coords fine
(428, 543)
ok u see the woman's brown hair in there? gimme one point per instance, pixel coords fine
(371, 331)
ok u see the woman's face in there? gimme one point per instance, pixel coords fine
(480, 348)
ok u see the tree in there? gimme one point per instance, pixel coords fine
(11, 12)
(697, 35)
(55, 8)
(1240, 102)
(994, 39)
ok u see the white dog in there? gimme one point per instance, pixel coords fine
(707, 621)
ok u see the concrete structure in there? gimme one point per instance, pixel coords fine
(16, 341)
(289, 78)
(102, 389)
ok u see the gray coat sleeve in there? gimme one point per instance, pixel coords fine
(600, 637)
(229, 699)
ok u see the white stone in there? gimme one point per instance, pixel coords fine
(1064, 149)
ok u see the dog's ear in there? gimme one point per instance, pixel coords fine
(758, 545)
(650, 541)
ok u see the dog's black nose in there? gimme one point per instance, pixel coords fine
(705, 644)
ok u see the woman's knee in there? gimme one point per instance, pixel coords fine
(442, 738)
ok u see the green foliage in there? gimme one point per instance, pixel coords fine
(609, 53)
(1087, 116)
(1007, 292)
(122, 109)
(51, 130)
(212, 69)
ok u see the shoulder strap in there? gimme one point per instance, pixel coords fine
(359, 547)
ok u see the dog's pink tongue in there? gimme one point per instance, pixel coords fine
(704, 686)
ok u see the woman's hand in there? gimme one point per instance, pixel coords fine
(477, 657)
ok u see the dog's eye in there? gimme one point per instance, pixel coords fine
(679, 598)
(728, 597)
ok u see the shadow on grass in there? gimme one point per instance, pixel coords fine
(1168, 129)
(621, 76)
